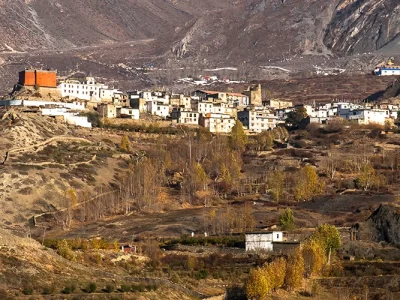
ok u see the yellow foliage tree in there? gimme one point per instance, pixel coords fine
(125, 143)
(308, 184)
(294, 271)
(201, 176)
(276, 272)
(276, 184)
(314, 257)
(238, 139)
(257, 285)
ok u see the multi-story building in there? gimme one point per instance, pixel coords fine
(156, 108)
(258, 120)
(235, 99)
(87, 89)
(279, 104)
(184, 116)
(218, 123)
(217, 108)
(254, 95)
(107, 110)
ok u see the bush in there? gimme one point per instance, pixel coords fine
(138, 288)
(91, 288)
(70, 288)
(151, 287)
(125, 288)
(48, 290)
(109, 288)
(27, 290)
(202, 274)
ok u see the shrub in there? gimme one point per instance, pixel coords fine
(65, 250)
(70, 288)
(109, 288)
(151, 287)
(91, 288)
(48, 290)
(202, 274)
(138, 288)
(27, 290)
(125, 288)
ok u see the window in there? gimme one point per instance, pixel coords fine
(277, 235)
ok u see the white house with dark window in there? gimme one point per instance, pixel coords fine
(156, 108)
(128, 112)
(184, 116)
(87, 89)
(218, 123)
(257, 120)
(262, 240)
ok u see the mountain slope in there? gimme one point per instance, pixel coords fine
(240, 29)
(360, 26)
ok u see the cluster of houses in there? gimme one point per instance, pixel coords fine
(215, 110)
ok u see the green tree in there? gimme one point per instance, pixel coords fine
(125, 143)
(308, 184)
(295, 270)
(276, 184)
(286, 219)
(64, 250)
(295, 118)
(238, 138)
(328, 236)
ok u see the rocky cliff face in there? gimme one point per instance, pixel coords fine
(359, 26)
(385, 224)
(232, 29)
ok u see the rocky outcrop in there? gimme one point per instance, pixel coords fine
(384, 224)
(360, 26)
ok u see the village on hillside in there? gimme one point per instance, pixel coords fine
(216, 111)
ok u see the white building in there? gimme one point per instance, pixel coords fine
(218, 123)
(160, 97)
(258, 120)
(88, 90)
(216, 108)
(69, 117)
(184, 116)
(156, 108)
(262, 240)
(387, 71)
(368, 116)
(128, 112)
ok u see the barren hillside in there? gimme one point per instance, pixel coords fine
(234, 30)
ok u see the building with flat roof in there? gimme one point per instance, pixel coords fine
(38, 78)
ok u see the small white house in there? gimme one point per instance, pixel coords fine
(156, 108)
(128, 112)
(262, 240)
